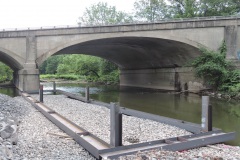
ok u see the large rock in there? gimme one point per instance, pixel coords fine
(8, 137)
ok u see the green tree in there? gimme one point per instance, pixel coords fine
(51, 64)
(85, 65)
(102, 14)
(184, 8)
(203, 8)
(6, 73)
(106, 67)
(151, 10)
(218, 7)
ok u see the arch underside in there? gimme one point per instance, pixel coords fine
(137, 52)
(10, 61)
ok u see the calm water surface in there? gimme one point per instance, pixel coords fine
(226, 115)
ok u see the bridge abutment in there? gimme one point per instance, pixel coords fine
(169, 79)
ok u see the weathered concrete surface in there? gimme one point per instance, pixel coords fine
(132, 47)
(177, 79)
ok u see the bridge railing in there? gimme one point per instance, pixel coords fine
(120, 24)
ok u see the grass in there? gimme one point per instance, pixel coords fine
(62, 77)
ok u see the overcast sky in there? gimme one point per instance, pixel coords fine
(40, 13)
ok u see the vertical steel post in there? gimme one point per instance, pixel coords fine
(87, 93)
(210, 117)
(206, 114)
(115, 125)
(41, 93)
(54, 87)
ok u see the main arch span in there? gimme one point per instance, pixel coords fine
(148, 55)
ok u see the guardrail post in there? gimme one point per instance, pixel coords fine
(87, 93)
(54, 87)
(115, 125)
(41, 93)
(206, 114)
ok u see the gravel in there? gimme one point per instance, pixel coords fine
(37, 141)
(34, 142)
(96, 119)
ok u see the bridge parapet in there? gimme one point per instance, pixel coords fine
(172, 20)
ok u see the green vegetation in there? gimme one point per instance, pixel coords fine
(6, 73)
(156, 10)
(102, 14)
(61, 76)
(217, 72)
(80, 67)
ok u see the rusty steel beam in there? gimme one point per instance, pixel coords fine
(87, 140)
(171, 144)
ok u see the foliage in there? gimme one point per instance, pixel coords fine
(61, 76)
(203, 8)
(212, 67)
(232, 82)
(217, 71)
(151, 10)
(6, 73)
(102, 14)
(50, 66)
(184, 8)
(218, 7)
(90, 68)
(107, 67)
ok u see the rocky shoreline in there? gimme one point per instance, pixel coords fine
(220, 95)
(38, 138)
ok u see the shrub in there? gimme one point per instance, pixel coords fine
(216, 71)
(212, 67)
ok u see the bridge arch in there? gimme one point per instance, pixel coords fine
(7, 57)
(132, 51)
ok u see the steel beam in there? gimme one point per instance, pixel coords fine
(195, 141)
(87, 140)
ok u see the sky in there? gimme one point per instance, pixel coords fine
(43, 13)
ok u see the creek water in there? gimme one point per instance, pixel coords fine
(226, 115)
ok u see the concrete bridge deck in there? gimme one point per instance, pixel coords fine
(149, 55)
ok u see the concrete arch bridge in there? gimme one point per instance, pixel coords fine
(149, 55)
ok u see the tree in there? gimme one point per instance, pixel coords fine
(218, 7)
(203, 8)
(50, 65)
(102, 14)
(184, 8)
(107, 67)
(80, 64)
(6, 73)
(151, 10)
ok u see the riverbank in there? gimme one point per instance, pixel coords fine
(220, 95)
(37, 140)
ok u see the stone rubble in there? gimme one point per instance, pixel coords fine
(37, 136)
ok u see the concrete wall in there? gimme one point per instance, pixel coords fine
(162, 79)
(174, 79)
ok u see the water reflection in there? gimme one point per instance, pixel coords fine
(10, 91)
